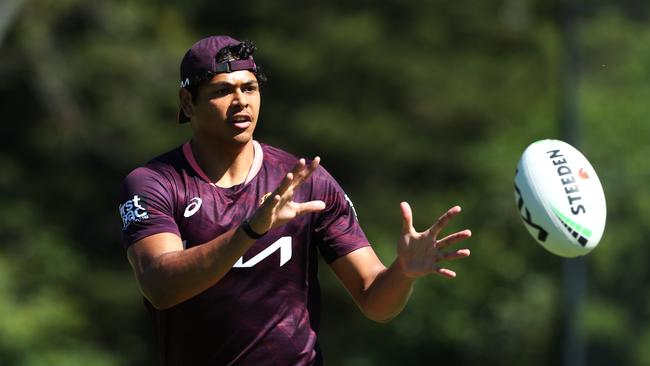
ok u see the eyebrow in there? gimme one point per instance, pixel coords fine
(230, 85)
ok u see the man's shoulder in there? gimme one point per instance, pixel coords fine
(284, 161)
(163, 165)
(279, 156)
(276, 154)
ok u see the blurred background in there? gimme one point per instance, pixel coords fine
(423, 101)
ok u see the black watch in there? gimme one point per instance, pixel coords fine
(246, 226)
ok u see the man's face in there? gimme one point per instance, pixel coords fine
(227, 107)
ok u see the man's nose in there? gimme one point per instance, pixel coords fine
(239, 98)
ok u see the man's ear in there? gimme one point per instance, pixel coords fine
(186, 102)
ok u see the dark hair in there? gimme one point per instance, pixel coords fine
(236, 52)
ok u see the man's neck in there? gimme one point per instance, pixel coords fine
(226, 166)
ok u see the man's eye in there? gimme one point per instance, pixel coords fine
(250, 89)
(221, 92)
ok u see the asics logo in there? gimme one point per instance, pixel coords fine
(193, 207)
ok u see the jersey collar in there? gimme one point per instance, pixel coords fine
(255, 167)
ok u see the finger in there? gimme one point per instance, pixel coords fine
(298, 174)
(285, 184)
(314, 163)
(311, 206)
(295, 171)
(300, 165)
(458, 254)
(306, 171)
(407, 217)
(269, 205)
(446, 272)
(287, 196)
(453, 238)
(443, 221)
(275, 197)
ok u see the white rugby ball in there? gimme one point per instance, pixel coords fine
(560, 198)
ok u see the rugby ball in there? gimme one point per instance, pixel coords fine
(560, 198)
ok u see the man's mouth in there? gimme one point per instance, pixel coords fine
(242, 121)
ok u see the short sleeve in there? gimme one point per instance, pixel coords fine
(337, 228)
(146, 206)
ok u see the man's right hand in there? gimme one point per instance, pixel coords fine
(279, 208)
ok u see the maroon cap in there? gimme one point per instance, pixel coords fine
(200, 60)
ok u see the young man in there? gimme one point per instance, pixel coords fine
(223, 232)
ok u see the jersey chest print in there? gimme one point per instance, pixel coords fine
(283, 244)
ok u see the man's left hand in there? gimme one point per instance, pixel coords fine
(421, 253)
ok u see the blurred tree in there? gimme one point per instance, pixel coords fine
(83, 104)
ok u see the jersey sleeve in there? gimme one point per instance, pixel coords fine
(146, 206)
(337, 228)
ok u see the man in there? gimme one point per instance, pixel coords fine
(223, 232)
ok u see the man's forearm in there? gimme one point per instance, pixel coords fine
(387, 295)
(177, 276)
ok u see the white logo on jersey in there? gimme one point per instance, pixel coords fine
(132, 211)
(283, 244)
(195, 204)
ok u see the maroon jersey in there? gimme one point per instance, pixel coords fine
(265, 311)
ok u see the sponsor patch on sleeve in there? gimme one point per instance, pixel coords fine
(133, 211)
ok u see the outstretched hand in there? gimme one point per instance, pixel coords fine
(420, 253)
(279, 208)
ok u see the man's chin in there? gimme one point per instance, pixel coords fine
(242, 138)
